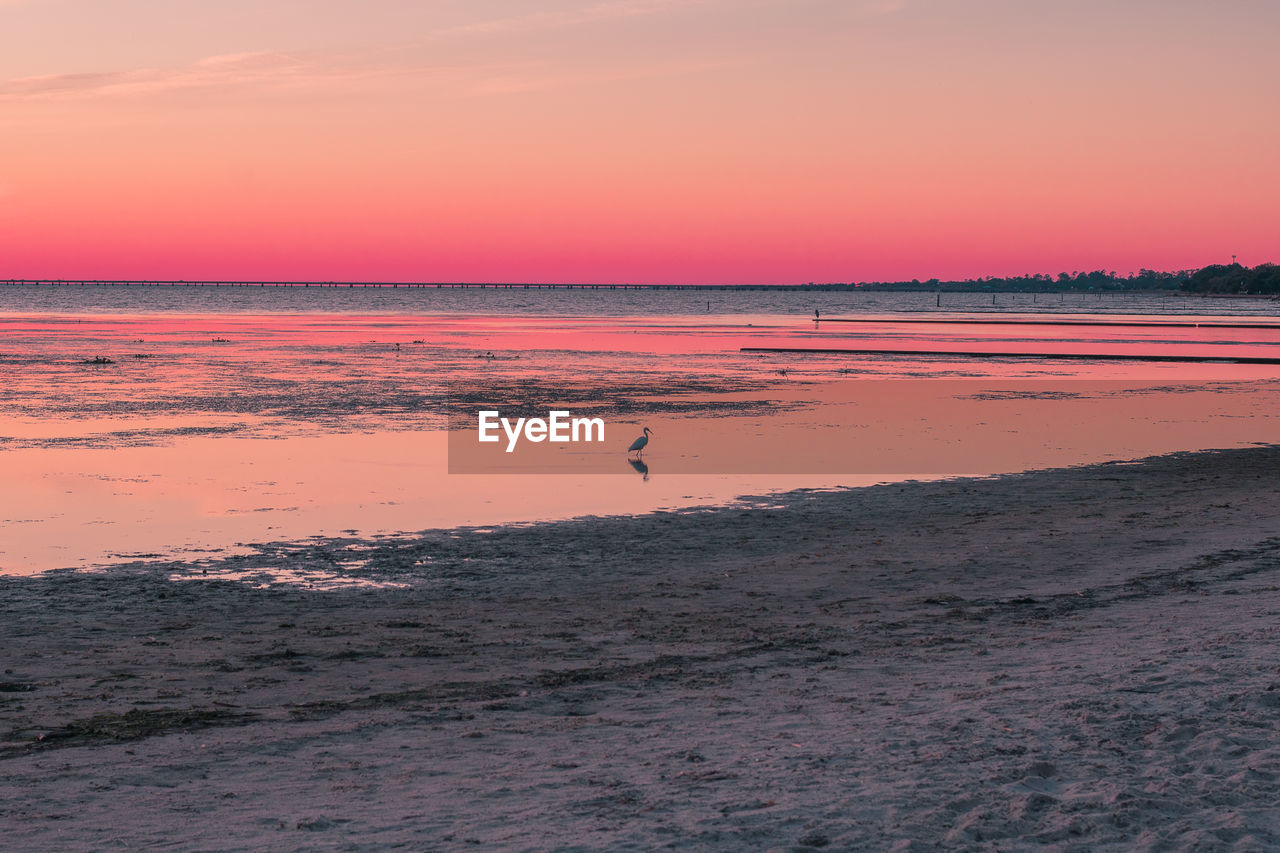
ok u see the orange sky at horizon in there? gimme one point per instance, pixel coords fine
(633, 140)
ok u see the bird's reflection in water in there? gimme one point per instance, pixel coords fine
(641, 467)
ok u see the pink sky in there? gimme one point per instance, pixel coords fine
(634, 140)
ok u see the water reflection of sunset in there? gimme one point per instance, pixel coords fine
(181, 449)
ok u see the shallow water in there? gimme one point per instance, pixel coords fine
(288, 412)
(521, 301)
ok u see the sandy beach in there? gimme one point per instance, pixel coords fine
(1083, 658)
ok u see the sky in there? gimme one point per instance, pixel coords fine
(702, 141)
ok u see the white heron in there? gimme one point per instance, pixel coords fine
(637, 446)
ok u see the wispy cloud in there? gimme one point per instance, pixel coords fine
(283, 73)
(141, 80)
(458, 69)
(229, 71)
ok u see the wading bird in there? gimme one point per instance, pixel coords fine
(637, 446)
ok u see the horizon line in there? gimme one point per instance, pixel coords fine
(1047, 278)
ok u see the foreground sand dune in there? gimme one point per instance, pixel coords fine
(1084, 658)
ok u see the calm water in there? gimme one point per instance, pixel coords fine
(234, 416)
(523, 302)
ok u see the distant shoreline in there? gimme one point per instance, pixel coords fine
(786, 288)
(791, 288)
(476, 285)
(1217, 279)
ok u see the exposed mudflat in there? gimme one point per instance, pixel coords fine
(1084, 658)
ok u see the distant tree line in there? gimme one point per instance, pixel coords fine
(1234, 278)
(1044, 283)
(1219, 278)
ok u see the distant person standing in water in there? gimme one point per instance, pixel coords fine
(817, 315)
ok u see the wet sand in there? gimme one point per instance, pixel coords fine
(1083, 657)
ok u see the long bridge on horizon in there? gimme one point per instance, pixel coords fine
(77, 282)
(965, 287)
